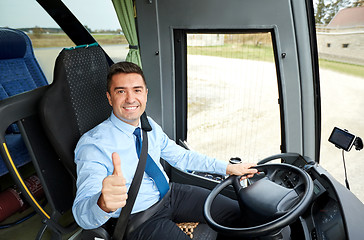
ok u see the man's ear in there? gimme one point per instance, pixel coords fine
(109, 98)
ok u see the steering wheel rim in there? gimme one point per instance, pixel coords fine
(280, 155)
(270, 226)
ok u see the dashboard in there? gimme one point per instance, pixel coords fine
(324, 219)
(334, 213)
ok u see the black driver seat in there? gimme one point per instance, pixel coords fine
(76, 102)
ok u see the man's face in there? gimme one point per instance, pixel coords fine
(128, 97)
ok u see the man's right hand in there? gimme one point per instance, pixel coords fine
(114, 192)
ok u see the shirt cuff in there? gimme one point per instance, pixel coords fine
(100, 217)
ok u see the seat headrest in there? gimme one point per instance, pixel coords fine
(12, 43)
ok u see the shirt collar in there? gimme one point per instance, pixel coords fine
(123, 126)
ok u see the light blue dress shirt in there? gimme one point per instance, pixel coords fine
(94, 163)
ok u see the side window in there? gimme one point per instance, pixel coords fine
(232, 95)
(47, 37)
(341, 57)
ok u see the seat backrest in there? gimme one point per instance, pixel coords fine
(76, 100)
(19, 72)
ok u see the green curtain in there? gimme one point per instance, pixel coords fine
(125, 11)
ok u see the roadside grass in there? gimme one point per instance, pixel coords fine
(62, 40)
(351, 69)
(239, 51)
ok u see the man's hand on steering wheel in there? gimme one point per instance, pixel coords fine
(241, 169)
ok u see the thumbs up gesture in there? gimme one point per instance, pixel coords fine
(114, 191)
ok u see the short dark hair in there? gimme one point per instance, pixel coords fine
(123, 67)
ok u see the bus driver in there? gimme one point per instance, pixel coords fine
(107, 157)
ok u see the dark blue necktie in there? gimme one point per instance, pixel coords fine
(151, 167)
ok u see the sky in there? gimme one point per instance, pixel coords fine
(96, 14)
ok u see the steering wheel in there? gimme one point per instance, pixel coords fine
(273, 202)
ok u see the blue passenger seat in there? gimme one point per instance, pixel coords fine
(19, 72)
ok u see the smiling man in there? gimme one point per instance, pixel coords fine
(107, 157)
(127, 94)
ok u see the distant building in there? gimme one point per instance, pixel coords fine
(343, 38)
(348, 18)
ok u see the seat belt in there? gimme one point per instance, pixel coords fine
(123, 220)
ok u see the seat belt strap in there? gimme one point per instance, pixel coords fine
(133, 192)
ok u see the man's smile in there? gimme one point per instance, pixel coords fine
(131, 108)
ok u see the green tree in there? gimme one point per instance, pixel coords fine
(320, 12)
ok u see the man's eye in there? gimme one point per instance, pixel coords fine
(120, 91)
